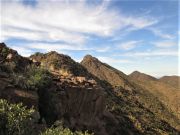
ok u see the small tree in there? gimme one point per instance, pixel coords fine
(15, 119)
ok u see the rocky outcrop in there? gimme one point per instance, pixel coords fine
(16, 95)
(76, 101)
(11, 62)
(59, 63)
(9, 58)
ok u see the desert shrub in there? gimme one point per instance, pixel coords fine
(33, 78)
(4, 51)
(56, 63)
(38, 77)
(63, 131)
(5, 68)
(15, 119)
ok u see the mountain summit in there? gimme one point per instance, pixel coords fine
(105, 72)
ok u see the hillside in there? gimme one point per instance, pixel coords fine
(167, 93)
(174, 81)
(136, 93)
(136, 75)
(89, 96)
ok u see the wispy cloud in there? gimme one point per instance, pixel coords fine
(110, 60)
(62, 21)
(165, 44)
(46, 47)
(152, 53)
(102, 49)
(30, 48)
(23, 50)
(161, 34)
(129, 45)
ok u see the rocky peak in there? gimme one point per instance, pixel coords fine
(6, 52)
(90, 58)
(105, 72)
(11, 59)
(2, 45)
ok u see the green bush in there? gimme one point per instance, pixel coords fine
(33, 78)
(38, 78)
(4, 51)
(15, 119)
(63, 131)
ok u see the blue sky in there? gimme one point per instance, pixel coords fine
(127, 34)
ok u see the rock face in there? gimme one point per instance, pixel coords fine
(15, 95)
(79, 104)
(11, 62)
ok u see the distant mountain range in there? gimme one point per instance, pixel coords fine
(90, 95)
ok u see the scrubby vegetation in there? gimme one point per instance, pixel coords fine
(15, 119)
(33, 78)
(5, 51)
(63, 131)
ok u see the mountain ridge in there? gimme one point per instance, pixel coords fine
(114, 107)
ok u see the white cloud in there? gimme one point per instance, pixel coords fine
(112, 61)
(102, 49)
(161, 34)
(152, 53)
(164, 44)
(69, 22)
(46, 47)
(30, 48)
(22, 50)
(129, 45)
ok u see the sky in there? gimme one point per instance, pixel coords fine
(127, 34)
